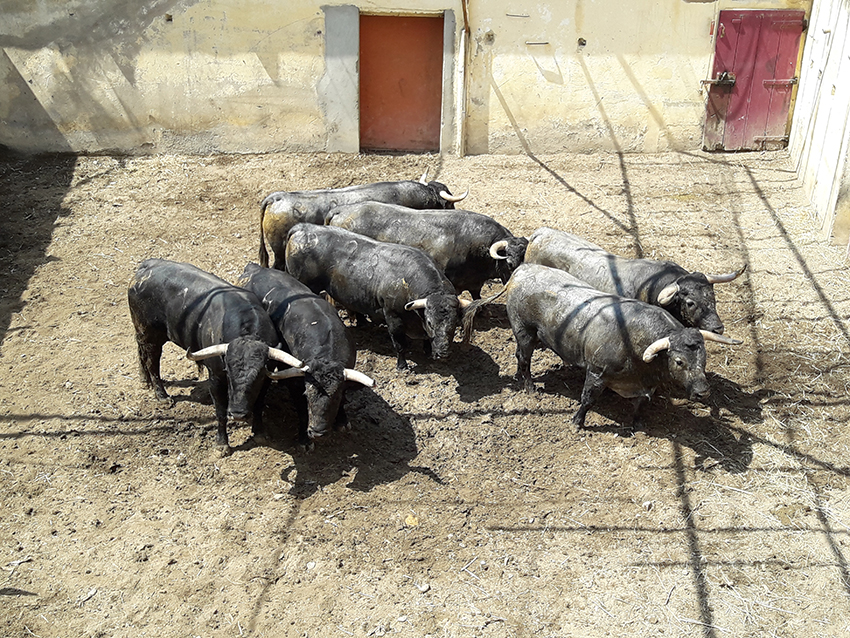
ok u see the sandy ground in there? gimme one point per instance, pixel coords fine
(458, 505)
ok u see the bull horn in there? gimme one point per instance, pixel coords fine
(416, 304)
(285, 357)
(453, 198)
(713, 336)
(655, 348)
(358, 377)
(424, 178)
(495, 248)
(288, 373)
(729, 276)
(464, 303)
(206, 353)
(667, 293)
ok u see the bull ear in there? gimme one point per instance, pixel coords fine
(284, 357)
(424, 178)
(654, 348)
(713, 336)
(729, 276)
(289, 373)
(667, 293)
(453, 198)
(206, 353)
(416, 304)
(495, 248)
(358, 377)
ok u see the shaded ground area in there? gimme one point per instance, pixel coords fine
(457, 506)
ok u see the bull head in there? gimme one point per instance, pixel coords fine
(665, 297)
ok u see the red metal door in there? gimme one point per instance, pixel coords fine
(752, 79)
(401, 82)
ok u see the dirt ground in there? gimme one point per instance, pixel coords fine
(457, 506)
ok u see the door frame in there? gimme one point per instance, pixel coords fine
(339, 87)
(707, 83)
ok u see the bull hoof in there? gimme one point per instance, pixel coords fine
(343, 427)
(578, 422)
(261, 439)
(222, 451)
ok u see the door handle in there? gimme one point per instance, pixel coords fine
(723, 79)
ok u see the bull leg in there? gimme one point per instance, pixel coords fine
(525, 344)
(638, 404)
(342, 423)
(299, 401)
(593, 387)
(258, 427)
(150, 354)
(395, 326)
(218, 392)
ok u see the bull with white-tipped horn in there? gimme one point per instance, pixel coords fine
(313, 332)
(399, 286)
(222, 327)
(281, 210)
(623, 344)
(688, 296)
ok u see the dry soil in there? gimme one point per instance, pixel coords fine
(458, 506)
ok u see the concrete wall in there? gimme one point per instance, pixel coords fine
(820, 136)
(263, 75)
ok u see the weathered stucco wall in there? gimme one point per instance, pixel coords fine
(247, 75)
(820, 136)
(591, 75)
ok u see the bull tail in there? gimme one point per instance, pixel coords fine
(472, 310)
(263, 255)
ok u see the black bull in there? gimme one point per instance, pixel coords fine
(288, 208)
(221, 326)
(313, 332)
(389, 283)
(688, 296)
(623, 344)
(470, 248)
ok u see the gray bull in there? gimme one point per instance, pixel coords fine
(470, 248)
(287, 208)
(688, 296)
(390, 283)
(624, 344)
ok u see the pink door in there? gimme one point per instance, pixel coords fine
(401, 82)
(752, 78)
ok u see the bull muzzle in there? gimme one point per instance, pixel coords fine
(239, 417)
(700, 392)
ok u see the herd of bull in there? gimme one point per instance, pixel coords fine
(400, 254)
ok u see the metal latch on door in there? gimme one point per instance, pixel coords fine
(723, 79)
